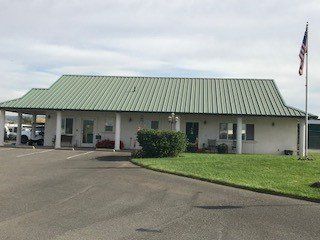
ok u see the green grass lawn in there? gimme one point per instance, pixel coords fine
(267, 173)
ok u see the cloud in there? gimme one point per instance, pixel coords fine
(42, 40)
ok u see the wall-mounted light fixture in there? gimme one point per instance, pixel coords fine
(172, 120)
(205, 122)
(130, 119)
(272, 124)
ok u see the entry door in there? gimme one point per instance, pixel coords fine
(87, 133)
(192, 131)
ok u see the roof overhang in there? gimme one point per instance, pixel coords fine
(44, 111)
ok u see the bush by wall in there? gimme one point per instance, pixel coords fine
(108, 144)
(156, 143)
(191, 147)
(137, 153)
(222, 148)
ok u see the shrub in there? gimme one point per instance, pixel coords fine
(201, 150)
(137, 153)
(157, 143)
(222, 148)
(108, 144)
(191, 147)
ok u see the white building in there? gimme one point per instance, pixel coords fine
(249, 115)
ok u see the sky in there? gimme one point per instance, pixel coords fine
(40, 40)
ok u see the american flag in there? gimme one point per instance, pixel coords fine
(303, 51)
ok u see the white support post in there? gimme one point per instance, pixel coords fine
(177, 124)
(117, 132)
(302, 142)
(239, 135)
(58, 131)
(18, 140)
(2, 129)
(33, 130)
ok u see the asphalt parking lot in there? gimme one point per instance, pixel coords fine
(64, 194)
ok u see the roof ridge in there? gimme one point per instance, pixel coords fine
(163, 77)
(39, 88)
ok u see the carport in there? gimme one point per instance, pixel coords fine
(20, 112)
(56, 117)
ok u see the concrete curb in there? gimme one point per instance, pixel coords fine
(65, 148)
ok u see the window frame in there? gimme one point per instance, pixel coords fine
(64, 125)
(225, 131)
(109, 120)
(230, 126)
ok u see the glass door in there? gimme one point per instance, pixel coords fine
(87, 132)
(192, 131)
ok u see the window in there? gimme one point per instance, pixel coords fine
(232, 131)
(223, 131)
(67, 126)
(155, 125)
(250, 131)
(228, 131)
(109, 126)
(243, 132)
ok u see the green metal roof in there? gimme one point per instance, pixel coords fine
(158, 94)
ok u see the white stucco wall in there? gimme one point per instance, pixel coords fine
(269, 138)
(49, 129)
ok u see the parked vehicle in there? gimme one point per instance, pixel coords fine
(13, 128)
(12, 131)
(26, 137)
(38, 138)
(6, 133)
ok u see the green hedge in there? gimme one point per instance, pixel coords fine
(156, 143)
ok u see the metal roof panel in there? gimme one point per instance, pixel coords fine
(159, 94)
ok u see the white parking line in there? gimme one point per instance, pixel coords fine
(79, 154)
(28, 154)
(6, 149)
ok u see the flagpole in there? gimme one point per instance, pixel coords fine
(306, 123)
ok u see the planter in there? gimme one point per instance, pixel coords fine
(108, 144)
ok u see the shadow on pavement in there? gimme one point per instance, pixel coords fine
(251, 206)
(113, 158)
(219, 207)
